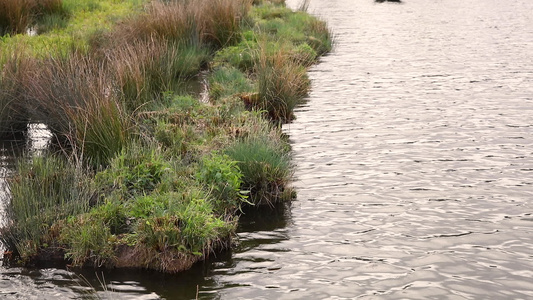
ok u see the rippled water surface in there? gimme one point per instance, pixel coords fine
(414, 169)
(414, 157)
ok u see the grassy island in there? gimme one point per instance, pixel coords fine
(165, 117)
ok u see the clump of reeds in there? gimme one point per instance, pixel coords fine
(59, 84)
(45, 7)
(265, 166)
(16, 69)
(212, 23)
(145, 69)
(16, 16)
(45, 189)
(101, 129)
(282, 84)
(223, 20)
(74, 97)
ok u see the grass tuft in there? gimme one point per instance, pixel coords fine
(13, 115)
(16, 15)
(228, 81)
(45, 190)
(282, 84)
(265, 167)
(146, 69)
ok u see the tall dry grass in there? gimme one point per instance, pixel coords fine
(60, 84)
(282, 83)
(16, 16)
(144, 70)
(223, 20)
(16, 69)
(212, 23)
(45, 7)
(75, 98)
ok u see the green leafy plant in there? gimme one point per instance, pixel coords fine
(136, 170)
(223, 177)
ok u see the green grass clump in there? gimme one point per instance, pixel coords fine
(52, 22)
(192, 228)
(136, 170)
(265, 166)
(44, 190)
(242, 56)
(92, 237)
(88, 239)
(228, 81)
(279, 22)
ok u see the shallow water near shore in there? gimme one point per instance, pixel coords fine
(414, 156)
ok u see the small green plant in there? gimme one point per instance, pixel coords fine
(113, 214)
(223, 178)
(135, 170)
(201, 229)
(161, 233)
(88, 239)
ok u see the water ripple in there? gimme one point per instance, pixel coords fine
(414, 159)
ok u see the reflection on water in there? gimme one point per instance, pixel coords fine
(414, 170)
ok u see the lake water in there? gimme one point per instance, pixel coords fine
(414, 156)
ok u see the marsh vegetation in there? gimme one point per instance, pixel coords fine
(143, 173)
